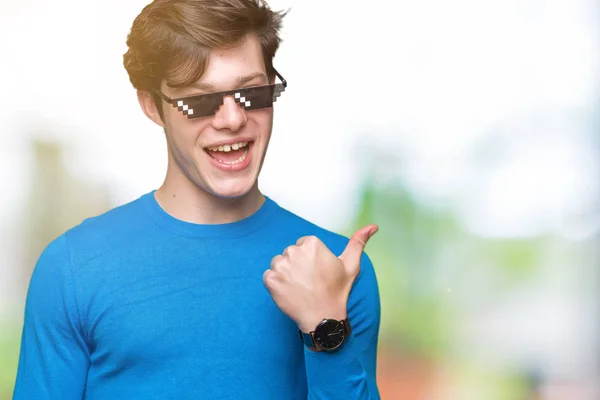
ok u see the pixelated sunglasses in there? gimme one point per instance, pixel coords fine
(251, 98)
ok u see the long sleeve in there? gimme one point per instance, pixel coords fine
(54, 356)
(350, 372)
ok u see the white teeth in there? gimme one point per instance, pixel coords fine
(239, 160)
(226, 148)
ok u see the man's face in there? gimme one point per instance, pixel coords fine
(221, 154)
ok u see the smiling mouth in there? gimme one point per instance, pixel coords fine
(229, 154)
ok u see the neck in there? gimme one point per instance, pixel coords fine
(189, 203)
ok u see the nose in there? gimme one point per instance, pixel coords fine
(230, 116)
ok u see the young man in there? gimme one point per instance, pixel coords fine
(204, 288)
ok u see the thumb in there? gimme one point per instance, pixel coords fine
(356, 245)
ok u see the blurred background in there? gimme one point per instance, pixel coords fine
(468, 130)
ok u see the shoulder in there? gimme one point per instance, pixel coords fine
(98, 234)
(364, 299)
(297, 226)
(290, 223)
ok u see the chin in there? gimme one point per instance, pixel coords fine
(234, 191)
(235, 185)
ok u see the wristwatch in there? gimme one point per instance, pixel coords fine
(329, 335)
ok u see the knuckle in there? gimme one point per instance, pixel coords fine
(358, 241)
(292, 250)
(270, 276)
(300, 241)
(289, 250)
(276, 262)
(312, 240)
(267, 278)
(266, 275)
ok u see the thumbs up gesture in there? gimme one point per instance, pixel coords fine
(308, 282)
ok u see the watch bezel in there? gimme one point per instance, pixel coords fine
(329, 325)
(309, 338)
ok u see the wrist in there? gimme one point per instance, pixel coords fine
(310, 321)
(328, 335)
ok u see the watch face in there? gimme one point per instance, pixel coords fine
(329, 335)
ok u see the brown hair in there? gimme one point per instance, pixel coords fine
(172, 39)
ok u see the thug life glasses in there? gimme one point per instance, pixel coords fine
(251, 98)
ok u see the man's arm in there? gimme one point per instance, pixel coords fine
(54, 356)
(308, 283)
(350, 372)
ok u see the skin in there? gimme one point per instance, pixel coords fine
(307, 282)
(194, 190)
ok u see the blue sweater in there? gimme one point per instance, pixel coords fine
(136, 304)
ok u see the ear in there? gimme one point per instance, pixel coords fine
(149, 108)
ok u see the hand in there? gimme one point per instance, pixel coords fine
(309, 283)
